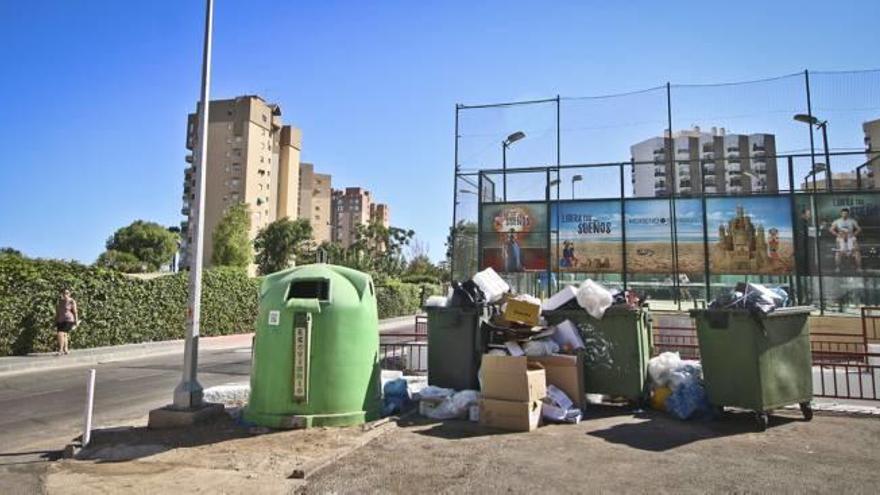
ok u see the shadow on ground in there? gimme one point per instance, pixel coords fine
(129, 443)
(451, 429)
(657, 432)
(28, 457)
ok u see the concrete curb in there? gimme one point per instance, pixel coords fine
(14, 365)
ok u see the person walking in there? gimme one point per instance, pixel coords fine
(66, 319)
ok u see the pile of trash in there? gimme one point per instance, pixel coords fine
(677, 386)
(756, 298)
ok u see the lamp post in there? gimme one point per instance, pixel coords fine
(822, 124)
(819, 167)
(576, 178)
(516, 136)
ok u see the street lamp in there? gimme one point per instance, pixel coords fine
(516, 136)
(822, 124)
(576, 178)
(817, 168)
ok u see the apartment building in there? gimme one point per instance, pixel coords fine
(252, 158)
(315, 202)
(352, 207)
(732, 163)
(872, 145)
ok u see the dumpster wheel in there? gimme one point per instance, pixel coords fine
(762, 420)
(807, 410)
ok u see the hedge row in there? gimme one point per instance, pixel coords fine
(114, 309)
(118, 309)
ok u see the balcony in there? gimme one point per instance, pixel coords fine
(188, 158)
(733, 169)
(185, 210)
(659, 173)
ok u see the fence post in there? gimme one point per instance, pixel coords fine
(90, 403)
(453, 233)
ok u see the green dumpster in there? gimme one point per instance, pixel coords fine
(617, 351)
(756, 362)
(455, 346)
(316, 350)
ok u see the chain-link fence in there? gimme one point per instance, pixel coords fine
(680, 190)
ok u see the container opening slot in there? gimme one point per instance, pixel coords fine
(310, 289)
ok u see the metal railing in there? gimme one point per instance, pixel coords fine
(407, 352)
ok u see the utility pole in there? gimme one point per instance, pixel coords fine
(188, 393)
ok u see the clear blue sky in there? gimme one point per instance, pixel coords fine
(96, 92)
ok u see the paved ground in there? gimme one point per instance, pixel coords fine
(651, 453)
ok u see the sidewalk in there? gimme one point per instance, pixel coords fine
(12, 365)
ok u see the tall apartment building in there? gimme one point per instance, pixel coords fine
(872, 145)
(252, 158)
(732, 163)
(315, 202)
(352, 207)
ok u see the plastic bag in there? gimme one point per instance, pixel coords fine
(454, 406)
(685, 373)
(688, 401)
(594, 298)
(396, 396)
(567, 336)
(540, 347)
(660, 367)
(432, 392)
(491, 284)
(436, 302)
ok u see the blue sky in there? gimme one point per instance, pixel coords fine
(97, 92)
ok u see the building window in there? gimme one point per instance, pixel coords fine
(264, 119)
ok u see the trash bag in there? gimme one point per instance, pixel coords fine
(540, 347)
(594, 298)
(454, 406)
(558, 407)
(689, 400)
(491, 285)
(396, 396)
(433, 392)
(660, 368)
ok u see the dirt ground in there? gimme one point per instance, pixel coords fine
(610, 452)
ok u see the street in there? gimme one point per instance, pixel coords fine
(42, 411)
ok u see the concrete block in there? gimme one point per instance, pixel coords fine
(168, 417)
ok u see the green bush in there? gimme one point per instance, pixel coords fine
(395, 298)
(114, 308)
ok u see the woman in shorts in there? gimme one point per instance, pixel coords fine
(66, 319)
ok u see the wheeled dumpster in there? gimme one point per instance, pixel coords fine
(455, 346)
(757, 362)
(315, 358)
(618, 348)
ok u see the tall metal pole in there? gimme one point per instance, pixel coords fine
(188, 394)
(828, 179)
(504, 168)
(454, 230)
(812, 139)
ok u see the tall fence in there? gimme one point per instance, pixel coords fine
(695, 149)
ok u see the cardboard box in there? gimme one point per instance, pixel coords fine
(510, 415)
(512, 378)
(566, 373)
(522, 312)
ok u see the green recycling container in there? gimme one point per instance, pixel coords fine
(618, 348)
(756, 362)
(455, 346)
(316, 349)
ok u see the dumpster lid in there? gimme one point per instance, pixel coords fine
(776, 313)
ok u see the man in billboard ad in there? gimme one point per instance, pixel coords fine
(514, 237)
(590, 236)
(849, 225)
(750, 236)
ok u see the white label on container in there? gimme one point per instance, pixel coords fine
(275, 317)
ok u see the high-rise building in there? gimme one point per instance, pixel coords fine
(732, 163)
(314, 202)
(872, 152)
(352, 207)
(252, 158)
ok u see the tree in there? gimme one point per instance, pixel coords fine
(282, 242)
(121, 262)
(379, 250)
(149, 242)
(11, 251)
(461, 249)
(232, 243)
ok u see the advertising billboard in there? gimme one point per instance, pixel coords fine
(648, 236)
(750, 235)
(848, 229)
(589, 236)
(513, 237)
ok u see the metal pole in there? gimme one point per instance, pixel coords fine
(90, 405)
(706, 273)
(670, 147)
(454, 231)
(812, 140)
(558, 184)
(829, 183)
(623, 223)
(799, 296)
(188, 394)
(504, 168)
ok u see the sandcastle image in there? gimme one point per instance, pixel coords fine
(742, 248)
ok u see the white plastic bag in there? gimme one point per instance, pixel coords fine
(432, 392)
(455, 406)
(491, 284)
(567, 336)
(594, 298)
(660, 367)
(436, 302)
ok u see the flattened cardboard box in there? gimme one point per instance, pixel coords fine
(522, 312)
(512, 378)
(566, 373)
(510, 415)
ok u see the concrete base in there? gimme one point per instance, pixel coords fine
(295, 421)
(168, 417)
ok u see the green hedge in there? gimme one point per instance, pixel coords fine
(118, 309)
(114, 308)
(395, 298)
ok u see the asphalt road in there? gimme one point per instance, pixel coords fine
(42, 411)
